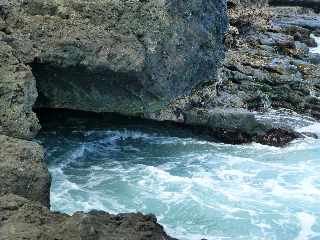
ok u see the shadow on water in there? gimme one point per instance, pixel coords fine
(70, 120)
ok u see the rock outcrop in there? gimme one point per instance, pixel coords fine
(18, 94)
(23, 170)
(313, 4)
(155, 59)
(268, 65)
(128, 57)
(24, 219)
(24, 202)
(236, 126)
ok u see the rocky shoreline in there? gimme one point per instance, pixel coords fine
(267, 66)
(138, 58)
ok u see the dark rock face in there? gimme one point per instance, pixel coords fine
(237, 126)
(23, 219)
(23, 171)
(278, 137)
(115, 56)
(267, 65)
(247, 3)
(314, 4)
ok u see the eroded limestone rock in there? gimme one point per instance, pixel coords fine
(18, 94)
(128, 57)
(23, 171)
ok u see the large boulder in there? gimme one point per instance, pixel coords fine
(129, 57)
(23, 219)
(23, 171)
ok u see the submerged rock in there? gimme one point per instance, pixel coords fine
(23, 171)
(23, 219)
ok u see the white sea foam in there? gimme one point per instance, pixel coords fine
(197, 189)
(306, 223)
(313, 128)
(315, 49)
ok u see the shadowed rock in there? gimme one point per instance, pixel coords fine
(314, 4)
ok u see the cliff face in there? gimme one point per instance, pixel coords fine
(129, 57)
(18, 94)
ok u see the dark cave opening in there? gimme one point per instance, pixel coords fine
(85, 89)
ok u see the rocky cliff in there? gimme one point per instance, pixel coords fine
(268, 65)
(127, 57)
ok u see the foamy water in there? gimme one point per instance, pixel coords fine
(197, 189)
(315, 49)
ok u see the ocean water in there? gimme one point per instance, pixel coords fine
(315, 49)
(197, 189)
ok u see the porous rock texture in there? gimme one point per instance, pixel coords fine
(23, 171)
(128, 57)
(22, 219)
(18, 94)
(268, 66)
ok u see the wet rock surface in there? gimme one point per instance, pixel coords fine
(271, 66)
(128, 57)
(239, 126)
(23, 170)
(133, 57)
(24, 219)
(278, 137)
(268, 66)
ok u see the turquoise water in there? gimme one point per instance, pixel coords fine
(197, 189)
(315, 49)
